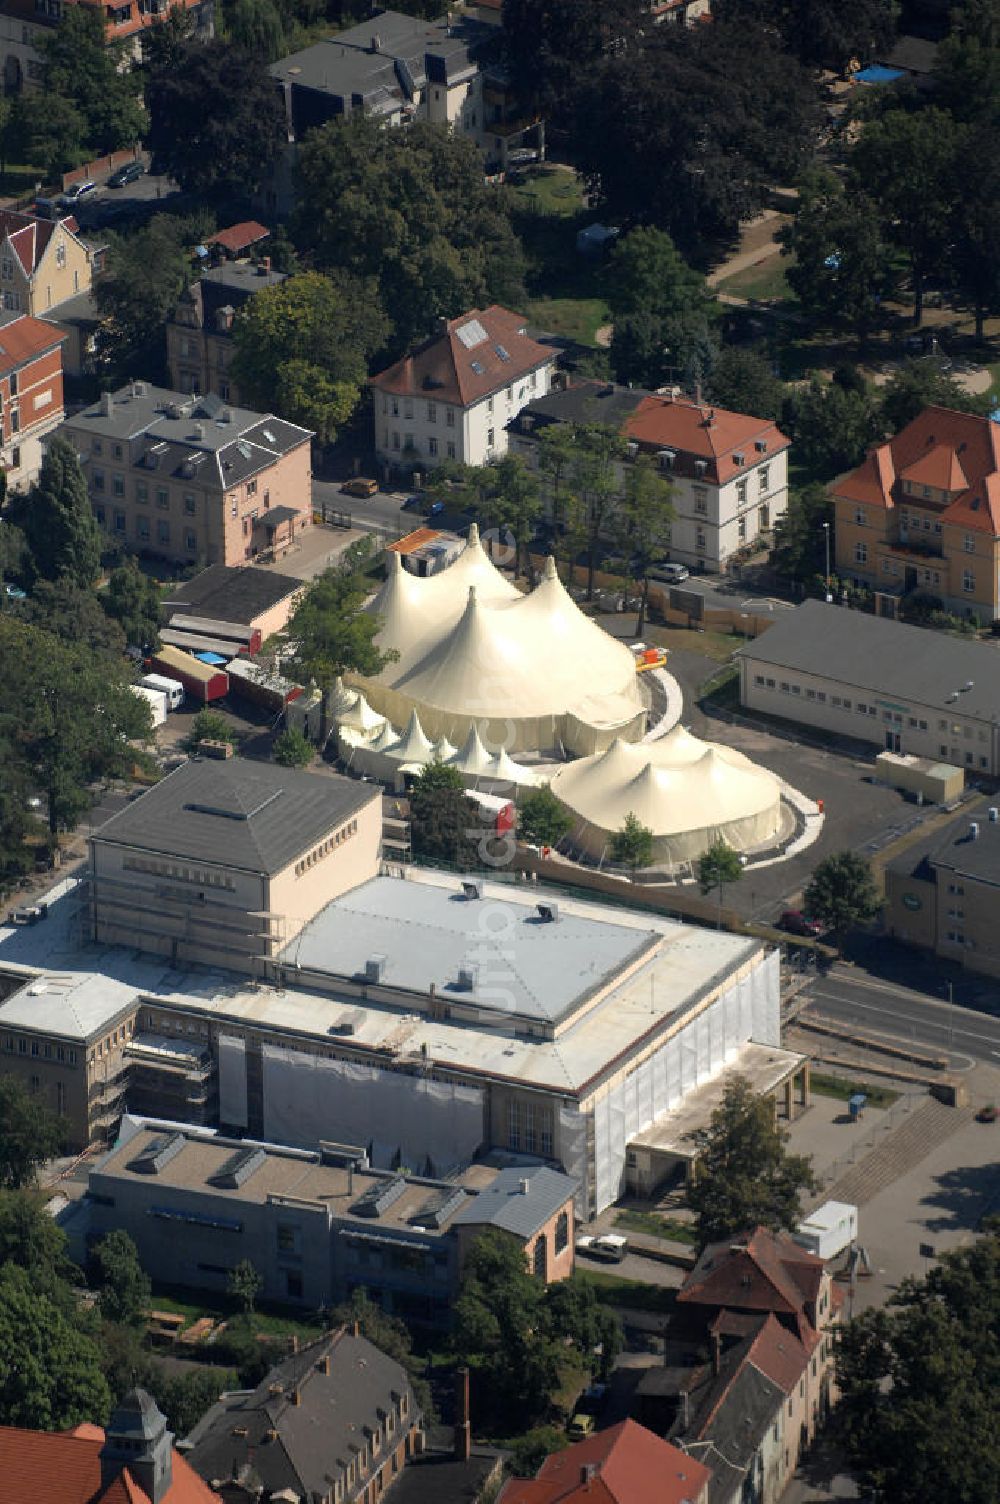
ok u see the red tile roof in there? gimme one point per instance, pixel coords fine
(947, 451)
(238, 237)
(25, 339)
(763, 1272)
(699, 431)
(625, 1464)
(779, 1354)
(464, 363)
(64, 1467)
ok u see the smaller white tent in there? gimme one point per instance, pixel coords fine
(414, 746)
(362, 718)
(473, 757)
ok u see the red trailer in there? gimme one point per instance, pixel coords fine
(499, 812)
(201, 680)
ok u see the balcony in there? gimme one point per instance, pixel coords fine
(916, 547)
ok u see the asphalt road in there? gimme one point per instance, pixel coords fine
(384, 510)
(885, 1007)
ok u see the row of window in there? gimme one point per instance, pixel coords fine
(325, 847)
(892, 566)
(204, 877)
(529, 1127)
(141, 491)
(408, 406)
(409, 445)
(39, 1049)
(142, 528)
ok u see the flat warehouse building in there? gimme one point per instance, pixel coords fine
(900, 688)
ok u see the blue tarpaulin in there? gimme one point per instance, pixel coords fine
(212, 659)
(877, 74)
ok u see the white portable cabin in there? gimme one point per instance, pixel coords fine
(828, 1230)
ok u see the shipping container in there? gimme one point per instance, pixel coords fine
(156, 699)
(201, 681)
(252, 682)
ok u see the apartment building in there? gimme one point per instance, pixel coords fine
(31, 395)
(899, 688)
(453, 397)
(728, 471)
(192, 479)
(25, 23)
(944, 895)
(921, 515)
(200, 330)
(43, 263)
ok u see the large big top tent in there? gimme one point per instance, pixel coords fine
(530, 672)
(688, 792)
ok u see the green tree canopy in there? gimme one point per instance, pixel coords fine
(744, 1173)
(717, 866)
(32, 1239)
(122, 1282)
(831, 427)
(301, 348)
(145, 273)
(552, 44)
(632, 846)
(132, 599)
(244, 1284)
(56, 519)
(411, 209)
(29, 1134)
(87, 84)
(644, 522)
(799, 539)
(842, 892)
(50, 1366)
(598, 449)
(821, 33)
(216, 122)
(541, 818)
(255, 26)
(842, 266)
(663, 312)
(917, 384)
(293, 750)
(445, 824)
(744, 381)
(918, 1413)
(73, 614)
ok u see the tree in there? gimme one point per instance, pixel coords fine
(210, 726)
(74, 715)
(73, 614)
(551, 44)
(744, 1176)
(578, 1316)
(842, 892)
(821, 33)
(799, 536)
(29, 1135)
(662, 310)
(831, 427)
(556, 455)
(83, 74)
(598, 449)
(184, 1398)
(917, 384)
(301, 348)
(145, 274)
(34, 1242)
(216, 121)
(917, 1413)
(244, 1283)
(502, 495)
(123, 1283)
(410, 209)
(132, 599)
(718, 866)
(500, 1331)
(55, 516)
(632, 846)
(905, 162)
(255, 27)
(52, 133)
(842, 266)
(445, 824)
(50, 1365)
(332, 634)
(975, 253)
(644, 522)
(743, 381)
(293, 750)
(541, 818)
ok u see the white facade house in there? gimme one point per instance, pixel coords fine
(729, 471)
(453, 398)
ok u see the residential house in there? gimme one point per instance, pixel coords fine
(43, 263)
(200, 330)
(192, 478)
(729, 471)
(626, 1464)
(336, 1421)
(24, 24)
(316, 1223)
(31, 395)
(132, 1460)
(921, 515)
(944, 894)
(898, 688)
(453, 397)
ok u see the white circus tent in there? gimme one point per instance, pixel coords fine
(688, 792)
(531, 671)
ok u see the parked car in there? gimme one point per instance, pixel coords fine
(609, 1247)
(15, 593)
(412, 504)
(76, 191)
(130, 173)
(360, 486)
(435, 509)
(523, 154)
(794, 922)
(581, 1426)
(670, 574)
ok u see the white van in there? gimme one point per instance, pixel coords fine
(610, 1247)
(170, 687)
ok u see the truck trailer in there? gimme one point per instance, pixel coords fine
(202, 681)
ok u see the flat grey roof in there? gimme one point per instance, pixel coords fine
(883, 657)
(955, 849)
(522, 965)
(227, 593)
(248, 815)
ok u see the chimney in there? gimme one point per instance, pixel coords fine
(697, 392)
(588, 1472)
(264, 266)
(107, 405)
(295, 1396)
(295, 1342)
(356, 1329)
(463, 1429)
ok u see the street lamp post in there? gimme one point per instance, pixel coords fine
(826, 534)
(951, 1015)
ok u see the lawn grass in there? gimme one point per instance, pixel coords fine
(547, 190)
(574, 318)
(656, 1226)
(719, 646)
(265, 1323)
(764, 283)
(842, 1089)
(632, 1294)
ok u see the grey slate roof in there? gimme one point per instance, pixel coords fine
(732, 1421)
(955, 850)
(583, 402)
(236, 594)
(250, 815)
(316, 1437)
(504, 1204)
(883, 657)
